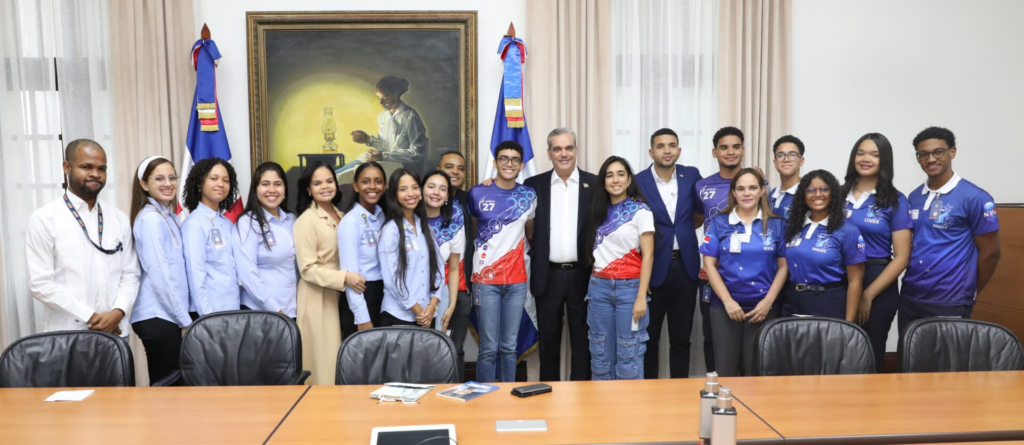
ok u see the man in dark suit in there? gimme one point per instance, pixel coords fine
(670, 192)
(454, 164)
(559, 273)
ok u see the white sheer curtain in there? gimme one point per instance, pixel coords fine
(664, 75)
(55, 88)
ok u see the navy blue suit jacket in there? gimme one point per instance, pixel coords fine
(687, 204)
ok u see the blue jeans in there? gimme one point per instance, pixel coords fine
(613, 342)
(498, 317)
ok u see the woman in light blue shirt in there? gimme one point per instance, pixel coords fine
(358, 233)
(160, 315)
(409, 260)
(264, 249)
(210, 189)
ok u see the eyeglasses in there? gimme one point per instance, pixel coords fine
(161, 179)
(938, 153)
(505, 160)
(823, 189)
(784, 156)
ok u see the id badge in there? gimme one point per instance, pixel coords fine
(218, 241)
(369, 237)
(271, 241)
(735, 241)
(476, 296)
(410, 245)
(936, 210)
(705, 293)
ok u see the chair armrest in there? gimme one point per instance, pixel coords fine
(170, 380)
(300, 379)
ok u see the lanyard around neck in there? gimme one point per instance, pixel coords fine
(99, 225)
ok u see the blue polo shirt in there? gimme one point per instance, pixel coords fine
(943, 268)
(749, 272)
(782, 200)
(876, 225)
(818, 257)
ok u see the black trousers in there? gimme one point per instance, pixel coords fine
(910, 311)
(162, 340)
(675, 298)
(387, 319)
(883, 311)
(564, 294)
(374, 296)
(459, 325)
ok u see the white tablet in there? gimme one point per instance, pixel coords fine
(413, 435)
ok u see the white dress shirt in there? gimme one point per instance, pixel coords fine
(565, 205)
(69, 275)
(669, 192)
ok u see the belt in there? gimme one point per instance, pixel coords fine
(564, 266)
(879, 261)
(675, 254)
(800, 287)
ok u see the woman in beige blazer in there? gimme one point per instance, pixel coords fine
(316, 251)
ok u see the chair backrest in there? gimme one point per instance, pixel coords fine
(812, 346)
(957, 344)
(238, 348)
(396, 354)
(67, 359)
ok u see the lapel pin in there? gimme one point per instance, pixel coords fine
(680, 175)
(586, 186)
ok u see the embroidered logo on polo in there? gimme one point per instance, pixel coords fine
(861, 245)
(944, 220)
(824, 242)
(767, 241)
(990, 212)
(445, 234)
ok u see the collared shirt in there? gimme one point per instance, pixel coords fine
(876, 224)
(266, 267)
(358, 234)
(617, 247)
(748, 256)
(398, 299)
(669, 192)
(564, 213)
(69, 275)
(210, 261)
(817, 257)
(401, 137)
(782, 200)
(501, 232)
(943, 267)
(451, 239)
(163, 289)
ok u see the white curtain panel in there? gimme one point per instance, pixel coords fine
(664, 75)
(55, 89)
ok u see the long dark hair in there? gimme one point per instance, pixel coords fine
(886, 196)
(305, 199)
(355, 178)
(762, 204)
(193, 192)
(140, 197)
(601, 200)
(799, 209)
(446, 208)
(394, 212)
(253, 206)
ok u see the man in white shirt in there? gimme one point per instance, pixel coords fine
(81, 263)
(559, 270)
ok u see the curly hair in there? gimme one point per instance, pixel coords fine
(935, 133)
(193, 192)
(836, 217)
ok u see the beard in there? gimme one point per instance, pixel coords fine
(85, 189)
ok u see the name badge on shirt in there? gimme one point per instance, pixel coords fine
(914, 214)
(369, 237)
(410, 245)
(735, 241)
(218, 241)
(795, 241)
(936, 209)
(271, 241)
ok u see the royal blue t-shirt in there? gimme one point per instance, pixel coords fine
(714, 195)
(748, 273)
(876, 225)
(943, 266)
(781, 203)
(818, 257)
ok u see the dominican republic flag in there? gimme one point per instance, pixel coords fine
(206, 137)
(510, 125)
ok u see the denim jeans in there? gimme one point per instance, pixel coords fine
(498, 317)
(614, 345)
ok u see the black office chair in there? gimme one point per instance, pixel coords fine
(396, 354)
(239, 348)
(957, 344)
(812, 346)
(67, 359)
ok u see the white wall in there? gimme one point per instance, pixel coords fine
(897, 67)
(226, 20)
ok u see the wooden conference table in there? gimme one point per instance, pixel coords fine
(886, 408)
